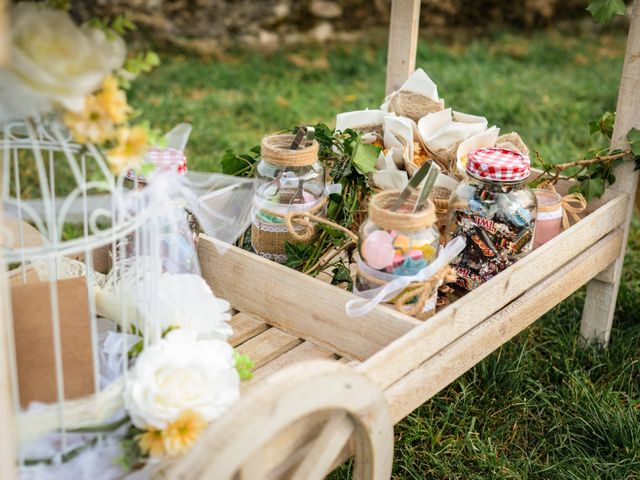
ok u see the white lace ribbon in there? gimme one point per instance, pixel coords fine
(361, 306)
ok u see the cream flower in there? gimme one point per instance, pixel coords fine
(113, 101)
(132, 143)
(54, 62)
(90, 125)
(180, 435)
(181, 373)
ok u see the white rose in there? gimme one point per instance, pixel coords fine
(53, 62)
(181, 373)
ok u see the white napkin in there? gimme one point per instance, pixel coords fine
(388, 176)
(480, 140)
(443, 129)
(398, 135)
(359, 118)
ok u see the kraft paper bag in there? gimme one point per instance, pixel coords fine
(34, 345)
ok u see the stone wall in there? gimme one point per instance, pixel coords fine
(212, 26)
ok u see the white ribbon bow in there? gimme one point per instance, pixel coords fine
(361, 306)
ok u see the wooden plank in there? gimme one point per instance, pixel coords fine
(268, 345)
(245, 327)
(297, 303)
(416, 346)
(300, 353)
(403, 42)
(602, 292)
(447, 365)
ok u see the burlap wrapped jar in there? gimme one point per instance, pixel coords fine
(291, 181)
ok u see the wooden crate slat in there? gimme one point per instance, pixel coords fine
(297, 303)
(445, 366)
(245, 327)
(300, 353)
(416, 346)
(268, 345)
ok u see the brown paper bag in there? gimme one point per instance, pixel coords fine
(34, 345)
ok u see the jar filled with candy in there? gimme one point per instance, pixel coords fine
(494, 209)
(291, 180)
(397, 243)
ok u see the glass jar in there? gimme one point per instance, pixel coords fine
(549, 218)
(289, 180)
(495, 211)
(398, 243)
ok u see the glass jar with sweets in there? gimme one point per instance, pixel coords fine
(495, 211)
(397, 243)
(290, 180)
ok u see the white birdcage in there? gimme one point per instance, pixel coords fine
(67, 217)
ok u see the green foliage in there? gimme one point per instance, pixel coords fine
(60, 4)
(364, 158)
(605, 10)
(297, 254)
(244, 365)
(131, 457)
(241, 165)
(142, 62)
(342, 275)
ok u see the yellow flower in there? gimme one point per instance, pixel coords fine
(129, 151)
(180, 435)
(113, 101)
(92, 124)
(151, 442)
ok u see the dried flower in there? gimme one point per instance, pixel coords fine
(180, 435)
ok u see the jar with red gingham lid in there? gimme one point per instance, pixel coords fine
(495, 211)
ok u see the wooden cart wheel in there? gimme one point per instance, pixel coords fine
(294, 425)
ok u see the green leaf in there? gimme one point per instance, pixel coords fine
(237, 165)
(634, 141)
(332, 231)
(341, 274)
(244, 365)
(605, 10)
(297, 254)
(592, 188)
(365, 157)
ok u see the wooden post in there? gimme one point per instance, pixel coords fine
(403, 42)
(602, 291)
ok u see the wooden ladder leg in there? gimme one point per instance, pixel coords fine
(602, 291)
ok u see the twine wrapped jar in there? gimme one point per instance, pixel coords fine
(395, 244)
(289, 181)
(495, 211)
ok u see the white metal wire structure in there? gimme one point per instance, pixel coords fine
(63, 211)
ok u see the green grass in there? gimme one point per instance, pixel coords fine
(539, 407)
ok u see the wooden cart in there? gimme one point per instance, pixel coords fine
(328, 386)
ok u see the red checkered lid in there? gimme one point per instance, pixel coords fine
(165, 159)
(498, 165)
